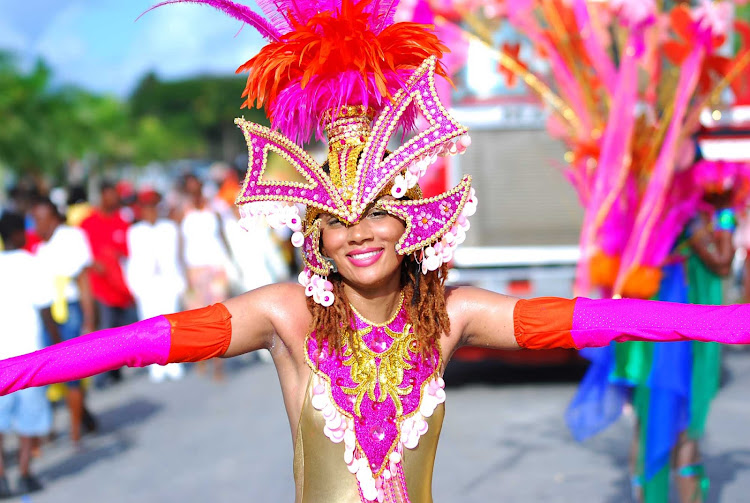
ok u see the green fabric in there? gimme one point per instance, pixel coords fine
(705, 288)
(633, 362)
(704, 285)
(655, 489)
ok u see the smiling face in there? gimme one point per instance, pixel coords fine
(364, 253)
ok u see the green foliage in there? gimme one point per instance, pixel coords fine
(742, 13)
(201, 107)
(45, 127)
(153, 140)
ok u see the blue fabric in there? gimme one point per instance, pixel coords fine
(598, 402)
(600, 397)
(669, 407)
(669, 382)
(72, 326)
(26, 412)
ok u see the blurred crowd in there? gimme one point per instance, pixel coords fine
(70, 265)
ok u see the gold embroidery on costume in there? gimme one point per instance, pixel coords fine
(389, 374)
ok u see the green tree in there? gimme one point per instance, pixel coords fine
(46, 127)
(24, 103)
(200, 108)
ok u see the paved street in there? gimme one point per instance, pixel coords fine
(195, 441)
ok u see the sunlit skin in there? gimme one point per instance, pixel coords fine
(366, 257)
(276, 317)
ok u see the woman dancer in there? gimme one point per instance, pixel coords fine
(360, 348)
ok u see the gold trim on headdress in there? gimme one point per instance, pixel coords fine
(348, 129)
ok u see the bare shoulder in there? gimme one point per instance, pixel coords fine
(464, 299)
(287, 302)
(261, 314)
(288, 294)
(470, 309)
(287, 307)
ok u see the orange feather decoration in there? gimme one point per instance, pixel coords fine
(334, 58)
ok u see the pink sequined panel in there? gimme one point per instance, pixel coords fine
(311, 249)
(377, 424)
(428, 219)
(135, 345)
(317, 192)
(598, 322)
(374, 174)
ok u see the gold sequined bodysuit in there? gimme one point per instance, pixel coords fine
(321, 476)
(371, 417)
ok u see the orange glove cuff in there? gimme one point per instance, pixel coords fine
(544, 323)
(200, 334)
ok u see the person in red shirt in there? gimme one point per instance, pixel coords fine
(107, 234)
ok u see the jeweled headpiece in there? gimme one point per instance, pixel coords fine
(344, 69)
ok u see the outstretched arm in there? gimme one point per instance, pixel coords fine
(595, 323)
(188, 336)
(495, 321)
(480, 318)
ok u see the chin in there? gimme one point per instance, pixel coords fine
(373, 277)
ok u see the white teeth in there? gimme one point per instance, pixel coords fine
(362, 256)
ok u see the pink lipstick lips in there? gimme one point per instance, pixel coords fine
(365, 256)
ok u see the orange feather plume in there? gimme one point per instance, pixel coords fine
(339, 55)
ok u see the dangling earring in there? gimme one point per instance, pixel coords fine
(417, 281)
(331, 265)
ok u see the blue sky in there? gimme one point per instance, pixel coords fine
(98, 44)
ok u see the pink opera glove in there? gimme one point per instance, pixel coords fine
(136, 345)
(599, 322)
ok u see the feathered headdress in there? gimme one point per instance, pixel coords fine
(345, 69)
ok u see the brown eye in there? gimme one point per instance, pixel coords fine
(377, 213)
(333, 222)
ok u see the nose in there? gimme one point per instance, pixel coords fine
(359, 232)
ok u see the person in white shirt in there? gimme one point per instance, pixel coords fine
(152, 271)
(25, 292)
(204, 253)
(65, 255)
(261, 261)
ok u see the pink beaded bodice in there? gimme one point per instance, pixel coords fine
(375, 396)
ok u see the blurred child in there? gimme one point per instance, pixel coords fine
(24, 294)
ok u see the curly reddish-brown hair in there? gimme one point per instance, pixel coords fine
(424, 298)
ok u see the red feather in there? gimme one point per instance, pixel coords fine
(331, 43)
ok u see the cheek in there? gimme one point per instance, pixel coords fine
(395, 229)
(331, 240)
(390, 231)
